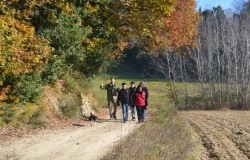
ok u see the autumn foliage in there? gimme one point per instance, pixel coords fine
(42, 41)
(175, 31)
(21, 51)
(181, 26)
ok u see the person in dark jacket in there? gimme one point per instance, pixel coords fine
(123, 97)
(145, 89)
(111, 97)
(132, 90)
(140, 101)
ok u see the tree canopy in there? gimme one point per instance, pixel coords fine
(52, 37)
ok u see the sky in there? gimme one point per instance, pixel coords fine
(209, 4)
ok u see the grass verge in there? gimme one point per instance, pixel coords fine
(165, 136)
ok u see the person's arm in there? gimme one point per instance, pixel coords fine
(134, 98)
(130, 98)
(103, 87)
(118, 99)
(146, 100)
(147, 93)
(117, 90)
(146, 103)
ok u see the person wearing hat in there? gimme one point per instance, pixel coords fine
(111, 97)
(132, 90)
(123, 97)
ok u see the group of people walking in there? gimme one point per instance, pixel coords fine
(135, 98)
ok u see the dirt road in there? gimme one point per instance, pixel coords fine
(88, 143)
(223, 134)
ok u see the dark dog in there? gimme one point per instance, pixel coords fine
(92, 118)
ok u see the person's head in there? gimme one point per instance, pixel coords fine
(124, 86)
(142, 83)
(139, 88)
(112, 80)
(132, 84)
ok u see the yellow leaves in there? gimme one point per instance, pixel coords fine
(93, 44)
(21, 52)
(36, 59)
(117, 51)
(111, 28)
(92, 9)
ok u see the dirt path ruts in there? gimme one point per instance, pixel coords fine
(88, 143)
(224, 134)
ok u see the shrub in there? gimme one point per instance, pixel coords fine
(25, 113)
(7, 113)
(26, 88)
(70, 105)
(69, 82)
(52, 71)
(38, 119)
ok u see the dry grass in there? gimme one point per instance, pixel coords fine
(166, 136)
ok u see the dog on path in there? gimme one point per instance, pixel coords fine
(92, 118)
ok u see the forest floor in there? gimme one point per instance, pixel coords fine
(223, 134)
(81, 141)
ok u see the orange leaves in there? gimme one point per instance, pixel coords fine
(176, 32)
(181, 26)
(3, 92)
(21, 52)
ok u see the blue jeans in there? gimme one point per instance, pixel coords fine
(144, 114)
(125, 112)
(133, 111)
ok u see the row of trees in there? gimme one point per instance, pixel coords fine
(220, 63)
(42, 41)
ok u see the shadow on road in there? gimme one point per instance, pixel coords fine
(79, 125)
(107, 120)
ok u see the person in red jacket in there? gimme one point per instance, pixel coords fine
(140, 101)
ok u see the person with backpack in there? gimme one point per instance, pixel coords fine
(140, 102)
(132, 90)
(111, 97)
(123, 97)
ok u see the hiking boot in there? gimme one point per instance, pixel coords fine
(114, 116)
(110, 117)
